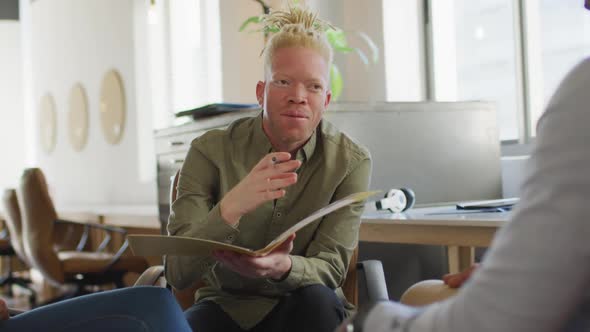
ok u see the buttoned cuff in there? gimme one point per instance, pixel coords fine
(295, 276)
(216, 229)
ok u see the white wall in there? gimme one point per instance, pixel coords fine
(242, 65)
(361, 83)
(75, 41)
(11, 112)
(404, 61)
(79, 41)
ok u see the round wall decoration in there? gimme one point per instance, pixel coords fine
(112, 107)
(78, 117)
(47, 123)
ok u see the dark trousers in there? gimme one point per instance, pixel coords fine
(313, 308)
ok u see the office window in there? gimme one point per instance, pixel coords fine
(558, 33)
(195, 53)
(474, 56)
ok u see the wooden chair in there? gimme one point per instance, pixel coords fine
(372, 269)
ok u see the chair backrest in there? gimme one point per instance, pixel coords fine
(350, 285)
(38, 216)
(14, 223)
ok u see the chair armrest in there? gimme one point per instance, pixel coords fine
(108, 230)
(87, 226)
(150, 276)
(374, 279)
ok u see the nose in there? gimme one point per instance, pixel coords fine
(298, 95)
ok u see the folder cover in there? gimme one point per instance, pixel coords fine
(157, 245)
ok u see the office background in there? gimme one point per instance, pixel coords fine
(177, 54)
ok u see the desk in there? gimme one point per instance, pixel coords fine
(126, 216)
(446, 226)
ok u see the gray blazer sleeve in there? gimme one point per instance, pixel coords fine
(536, 273)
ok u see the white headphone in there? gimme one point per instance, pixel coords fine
(395, 201)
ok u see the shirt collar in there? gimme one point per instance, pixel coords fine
(308, 148)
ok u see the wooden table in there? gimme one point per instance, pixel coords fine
(127, 216)
(459, 230)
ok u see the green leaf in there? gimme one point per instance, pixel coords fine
(336, 82)
(248, 21)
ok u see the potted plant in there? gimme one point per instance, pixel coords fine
(336, 38)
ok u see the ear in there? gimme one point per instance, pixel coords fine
(328, 98)
(260, 92)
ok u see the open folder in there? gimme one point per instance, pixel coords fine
(156, 245)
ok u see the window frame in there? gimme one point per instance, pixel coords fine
(524, 73)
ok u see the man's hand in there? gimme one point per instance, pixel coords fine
(264, 183)
(456, 280)
(275, 265)
(3, 310)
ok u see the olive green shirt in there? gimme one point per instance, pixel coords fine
(333, 166)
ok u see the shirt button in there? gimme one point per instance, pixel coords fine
(279, 214)
(229, 238)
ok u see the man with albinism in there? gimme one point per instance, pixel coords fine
(250, 182)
